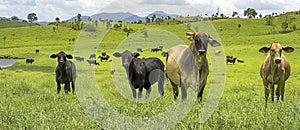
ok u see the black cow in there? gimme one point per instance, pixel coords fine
(230, 60)
(156, 49)
(78, 58)
(104, 56)
(139, 49)
(92, 56)
(37, 51)
(65, 71)
(142, 73)
(29, 61)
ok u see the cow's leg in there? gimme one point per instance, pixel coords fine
(272, 91)
(200, 93)
(267, 91)
(140, 92)
(183, 91)
(58, 87)
(281, 93)
(73, 86)
(67, 87)
(175, 89)
(148, 92)
(133, 91)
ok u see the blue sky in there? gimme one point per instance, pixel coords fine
(48, 10)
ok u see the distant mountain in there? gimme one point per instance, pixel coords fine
(134, 18)
(83, 18)
(4, 18)
(111, 16)
(43, 22)
(159, 14)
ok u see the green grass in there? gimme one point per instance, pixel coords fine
(29, 99)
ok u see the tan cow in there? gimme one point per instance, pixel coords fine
(275, 70)
(187, 66)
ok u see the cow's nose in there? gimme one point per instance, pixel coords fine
(201, 52)
(277, 61)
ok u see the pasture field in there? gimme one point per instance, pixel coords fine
(28, 92)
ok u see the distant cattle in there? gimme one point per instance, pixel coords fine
(157, 49)
(37, 51)
(104, 56)
(29, 61)
(275, 70)
(187, 66)
(142, 73)
(92, 56)
(139, 49)
(65, 71)
(78, 58)
(230, 60)
(91, 62)
(218, 52)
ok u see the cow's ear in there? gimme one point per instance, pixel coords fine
(288, 49)
(117, 54)
(213, 42)
(53, 56)
(136, 54)
(264, 49)
(69, 56)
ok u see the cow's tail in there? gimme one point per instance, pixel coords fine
(161, 82)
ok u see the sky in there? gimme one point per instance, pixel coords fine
(48, 10)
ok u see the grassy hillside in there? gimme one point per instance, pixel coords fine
(29, 99)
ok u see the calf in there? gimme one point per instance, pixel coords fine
(37, 51)
(230, 60)
(275, 70)
(92, 56)
(142, 73)
(65, 71)
(92, 62)
(29, 61)
(187, 66)
(104, 56)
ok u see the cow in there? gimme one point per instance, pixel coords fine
(187, 66)
(37, 51)
(104, 56)
(78, 58)
(218, 52)
(29, 61)
(65, 71)
(275, 70)
(231, 60)
(92, 56)
(92, 62)
(142, 73)
(139, 49)
(156, 49)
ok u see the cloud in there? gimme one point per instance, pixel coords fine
(163, 2)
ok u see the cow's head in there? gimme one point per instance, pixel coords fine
(276, 51)
(61, 58)
(201, 41)
(127, 57)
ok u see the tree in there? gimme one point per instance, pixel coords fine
(4, 39)
(234, 14)
(269, 19)
(14, 18)
(90, 20)
(32, 17)
(250, 13)
(78, 21)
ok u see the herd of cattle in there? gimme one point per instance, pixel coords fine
(186, 66)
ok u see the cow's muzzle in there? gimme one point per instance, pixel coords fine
(277, 61)
(201, 52)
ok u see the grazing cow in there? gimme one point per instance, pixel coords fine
(92, 56)
(78, 58)
(92, 62)
(275, 70)
(230, 60)
(187, 66)
(104, 56)
(142, 73)
(65, 71)
(37, 51)
(29, 61)
(157, 49)
(139, 49)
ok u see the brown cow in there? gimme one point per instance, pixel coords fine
(275, 70)
(187, 66)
